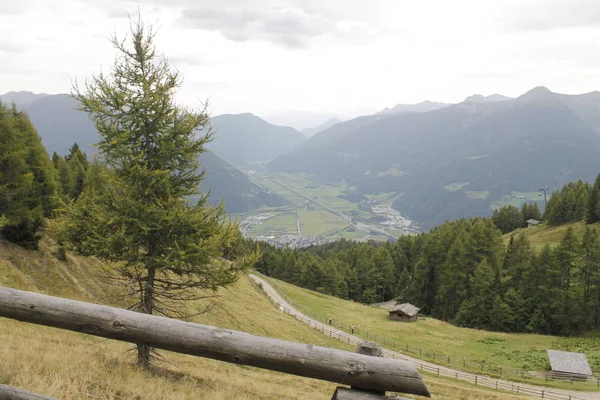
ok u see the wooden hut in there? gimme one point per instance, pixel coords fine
(569, 366)
(404, 312)
(532, 222)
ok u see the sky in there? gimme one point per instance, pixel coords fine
(339, 57)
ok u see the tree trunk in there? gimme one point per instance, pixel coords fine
(147, 298)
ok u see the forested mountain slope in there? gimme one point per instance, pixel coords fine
(487, 149)
(59, 124)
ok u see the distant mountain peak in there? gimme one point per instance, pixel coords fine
(479, 98)
(22, 97)
(538, 93)
(424, 106)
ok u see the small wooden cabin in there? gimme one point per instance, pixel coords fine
(404, 312)
(532, 222)
(565, 365)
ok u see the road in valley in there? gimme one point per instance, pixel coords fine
(481, 380)
(360, 225)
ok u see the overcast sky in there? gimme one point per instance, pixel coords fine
(338, 56)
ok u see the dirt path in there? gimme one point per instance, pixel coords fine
(481, 380)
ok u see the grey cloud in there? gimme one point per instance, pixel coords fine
(12, 47)
(284, 26)
(548, 15)
(289, 23)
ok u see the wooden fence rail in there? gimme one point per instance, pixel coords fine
(11, 393)
(356, 370)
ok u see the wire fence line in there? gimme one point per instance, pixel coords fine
(332, 332)
(463, 363)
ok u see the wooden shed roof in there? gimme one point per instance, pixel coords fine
(573, 363)
(533, 221)
(406, 309)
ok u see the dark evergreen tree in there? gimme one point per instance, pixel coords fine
(27, 179)
(476, 311)
(508, 218)
(594, 203)
(531, 211)
(566, 310)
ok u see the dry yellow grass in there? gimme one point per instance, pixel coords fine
(70, 365)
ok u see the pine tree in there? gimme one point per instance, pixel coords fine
(64, 175)
(516, 262)
(594, 203)
(453, 282)
(166, 249)
(39, 164)
(541, 291)
(501, 315)
(476, 311)
(508, 218)
(404, 282)
(27, 180)
(551, 210)
(531, 211)
(567, 256)
(581, 202)
(78, 165)
(589, 279)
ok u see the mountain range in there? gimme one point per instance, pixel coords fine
(243, 139)
(60, 124)
(458, 160)
(441, 161)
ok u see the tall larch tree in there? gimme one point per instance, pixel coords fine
(141, 220)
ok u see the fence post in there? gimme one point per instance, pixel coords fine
(542, 394)
(475, 379)
(448, 359)
(482, 366)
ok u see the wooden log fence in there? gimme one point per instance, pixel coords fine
(11, 393)
(356, 370)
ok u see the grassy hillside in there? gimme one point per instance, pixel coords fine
(511, 351)
(543, 234)
(69, 365)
